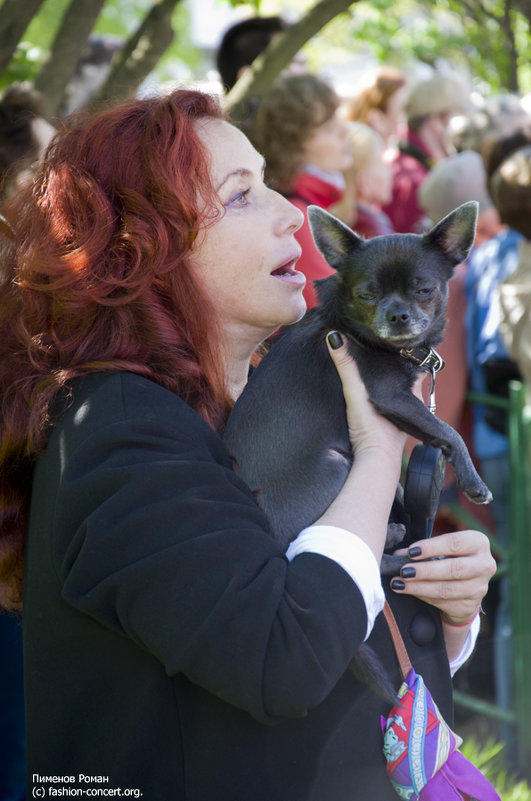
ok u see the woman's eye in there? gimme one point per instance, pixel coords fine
(238, 200)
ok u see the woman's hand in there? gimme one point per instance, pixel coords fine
(454, 578)
(364, 502)
(367, 429)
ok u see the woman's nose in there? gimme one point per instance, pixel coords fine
(291, 218)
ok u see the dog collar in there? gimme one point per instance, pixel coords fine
(428, 360)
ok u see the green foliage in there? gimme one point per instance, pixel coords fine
(488, 758)
(181, 50)
(459, 33)
(448, 31)
(254, 4)
(23, 66)
(31, 51)
(121, 17)
(118, 18)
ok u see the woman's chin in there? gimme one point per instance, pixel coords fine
(297, 312)
(287, 314)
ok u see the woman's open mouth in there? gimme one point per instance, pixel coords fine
(287, 273)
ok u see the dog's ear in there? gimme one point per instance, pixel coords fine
(456, 232)
(335, 240)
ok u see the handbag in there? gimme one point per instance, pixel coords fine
(422, 754)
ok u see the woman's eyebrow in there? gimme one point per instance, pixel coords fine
(241, 172)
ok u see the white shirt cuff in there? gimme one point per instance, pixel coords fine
(350, 553)
(468, 646)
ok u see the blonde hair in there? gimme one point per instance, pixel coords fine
(366, 144)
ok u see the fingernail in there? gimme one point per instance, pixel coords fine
(408, 572)
(396, 584)
(415, 551)
(335, 340)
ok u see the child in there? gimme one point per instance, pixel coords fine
(369, 182)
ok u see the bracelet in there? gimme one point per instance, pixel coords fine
(461, 625)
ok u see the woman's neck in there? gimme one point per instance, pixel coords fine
(240, 346)
(236, 383)
(237, 363)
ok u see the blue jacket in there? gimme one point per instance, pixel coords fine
(488, 265)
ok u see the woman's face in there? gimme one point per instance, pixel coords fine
(375, 181)
(246, 258)
(328, 148)
(395, 115)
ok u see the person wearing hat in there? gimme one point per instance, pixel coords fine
(455, 180)
(430, 106)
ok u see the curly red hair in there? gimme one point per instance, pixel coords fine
(96, 277)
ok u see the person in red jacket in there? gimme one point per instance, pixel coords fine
(430, 106)
(306, 147)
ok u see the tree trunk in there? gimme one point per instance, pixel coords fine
(74, 31)
(524, 8)
(15, 17)
(140, 54)
(507, 24)
(255, 82)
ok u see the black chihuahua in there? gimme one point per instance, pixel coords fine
(288, 432)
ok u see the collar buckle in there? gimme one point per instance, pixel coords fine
(430, 362)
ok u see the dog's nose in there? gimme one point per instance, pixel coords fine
(398, 316)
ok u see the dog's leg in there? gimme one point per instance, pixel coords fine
(409, 413)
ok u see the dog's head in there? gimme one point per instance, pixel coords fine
(392, 290)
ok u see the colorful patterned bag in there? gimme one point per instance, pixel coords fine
(423, 760)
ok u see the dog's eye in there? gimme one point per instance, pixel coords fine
(425, 291)
(365, 296)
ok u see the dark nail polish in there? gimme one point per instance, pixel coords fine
(408, 572)
(415, 551)
(335, 340)
(396, 584)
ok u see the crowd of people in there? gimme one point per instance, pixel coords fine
(148, 250)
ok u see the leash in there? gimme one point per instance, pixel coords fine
(428, 360)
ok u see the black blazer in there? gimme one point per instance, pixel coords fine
(170, 648)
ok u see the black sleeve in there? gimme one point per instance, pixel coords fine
(156, 537)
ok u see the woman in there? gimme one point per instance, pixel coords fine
(171, 649)
(381, 103)
(305, 144)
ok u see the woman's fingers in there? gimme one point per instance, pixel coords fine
(366, 427)
(451, 571)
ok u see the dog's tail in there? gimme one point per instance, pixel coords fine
(368, 668)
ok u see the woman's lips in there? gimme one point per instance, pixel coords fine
(287, 273)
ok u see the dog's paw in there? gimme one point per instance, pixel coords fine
(395, 534)
(477, 492)
(391, 564)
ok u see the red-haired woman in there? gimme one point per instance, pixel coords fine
(171, 648)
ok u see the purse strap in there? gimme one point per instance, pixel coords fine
(399, 644)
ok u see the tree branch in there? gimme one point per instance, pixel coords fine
(14, 19)
(141, 53)
(279, 53)
(60, 65)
